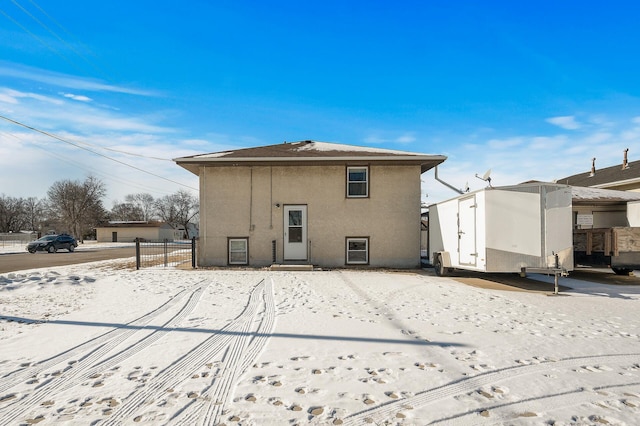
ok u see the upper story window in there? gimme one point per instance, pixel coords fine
(358, 182)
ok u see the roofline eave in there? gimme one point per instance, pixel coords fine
(193, 165)
(205, 160)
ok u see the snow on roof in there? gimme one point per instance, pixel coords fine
(581, 193)
(308, 152)
(327, 147)
(304, 149)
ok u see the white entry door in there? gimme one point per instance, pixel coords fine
(467, 252)
(295, 232)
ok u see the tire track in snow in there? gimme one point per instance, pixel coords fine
(552, 402)
(184, 367)
(237, 360)
(385, 411)
(86, 369)
(16, 377)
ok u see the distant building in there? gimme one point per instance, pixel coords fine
(623, 177)
(114, 232)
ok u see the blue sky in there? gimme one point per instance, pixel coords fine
(531, 90)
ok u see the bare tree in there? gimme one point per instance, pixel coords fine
(34, 212)
(178, 209)
(12, 217)
(126, 212)
(78, 205)
(144, 203)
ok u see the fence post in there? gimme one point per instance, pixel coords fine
(193, 252)
(166, 253)
(137, 254)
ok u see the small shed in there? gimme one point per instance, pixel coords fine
(114, 232)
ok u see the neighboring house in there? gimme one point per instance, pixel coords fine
(129, 231)
(604, 208)
(310, 202)
(190, 232)
(623, 177)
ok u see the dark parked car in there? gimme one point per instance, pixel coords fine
(53, 243)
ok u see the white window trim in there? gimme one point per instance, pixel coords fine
(246, 251)
(366, 182)
(360, 262)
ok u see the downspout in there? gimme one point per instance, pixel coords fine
(251, 199)
(202, 217)
(445, 183)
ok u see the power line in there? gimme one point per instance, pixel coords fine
(43, 25)
(9, 17)
(51, 135)
(90, 171)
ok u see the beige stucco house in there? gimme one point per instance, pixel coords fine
(309, 202)
(129, 231)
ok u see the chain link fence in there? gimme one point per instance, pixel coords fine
(16, 239)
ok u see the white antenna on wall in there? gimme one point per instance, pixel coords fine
(486, 177)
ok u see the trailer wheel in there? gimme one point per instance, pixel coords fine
(439, 268)
(622, 271)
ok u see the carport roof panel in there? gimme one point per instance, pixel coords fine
(585, 195)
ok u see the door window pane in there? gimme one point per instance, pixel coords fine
(295, 218)
(295, 235)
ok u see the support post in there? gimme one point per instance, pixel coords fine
(193, 252)
(166, 254)
(137, 254)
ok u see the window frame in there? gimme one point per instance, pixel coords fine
(347, 251)
(230, 251)
(366, 181)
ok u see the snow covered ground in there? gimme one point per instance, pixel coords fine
(101, 344)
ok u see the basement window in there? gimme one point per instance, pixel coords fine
(238, 251)
(357, 182)
(357, 250)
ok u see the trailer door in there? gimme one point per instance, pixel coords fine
(467, 251)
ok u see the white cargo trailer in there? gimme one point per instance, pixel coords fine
(519, 228)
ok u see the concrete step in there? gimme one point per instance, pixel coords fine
(291, 267)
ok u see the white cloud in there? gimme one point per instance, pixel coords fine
(22, 72)
(546, 143)
(12, 96)
(516, 158)
(598, 138)
(377, 138)
(505, 143)
(80, 98)
(406, 138)
(567, 122)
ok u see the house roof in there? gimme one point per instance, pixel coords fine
(584, 195)
(134, 224)
(308, 153)
(607, 177)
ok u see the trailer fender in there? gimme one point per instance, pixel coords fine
(446, 258)
(442, 263)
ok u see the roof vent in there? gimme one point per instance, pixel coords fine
(625, 163)
(593, 167)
